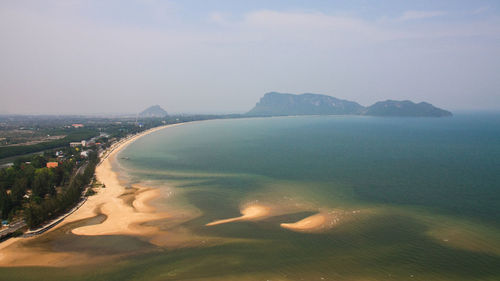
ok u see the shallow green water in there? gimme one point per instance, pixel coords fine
(428, 191)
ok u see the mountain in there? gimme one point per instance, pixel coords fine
(280, 104)
(275, 104)
(154, 111)
(405, 108)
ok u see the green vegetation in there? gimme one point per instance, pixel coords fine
(71, 135)
(36, 193)
(36, 133)
(38, 212)
(30, 190)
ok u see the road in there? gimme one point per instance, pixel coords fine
(20, 224)
(12, 228)
(56, 221)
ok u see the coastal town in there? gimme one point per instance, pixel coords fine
(43, 179)
(38, 191)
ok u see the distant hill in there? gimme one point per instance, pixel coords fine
(405, 108)
(282, 104)
(154, 111)
(273, 104)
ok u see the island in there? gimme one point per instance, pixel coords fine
(283, 104)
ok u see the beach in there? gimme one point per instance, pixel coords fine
(121, 218)
(249, 200)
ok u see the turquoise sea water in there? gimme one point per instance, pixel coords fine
(452, 164)
(425, 194)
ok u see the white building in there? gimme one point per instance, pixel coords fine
(75, 144)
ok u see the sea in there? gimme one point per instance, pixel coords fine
(413, 199)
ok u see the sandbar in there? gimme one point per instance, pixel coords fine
(251, 212)
(311, 223)
(121, 218)
(322, 221)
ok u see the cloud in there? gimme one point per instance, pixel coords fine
(481, 10)
(314, 27)
(415, 15)
(217, 17)
(227, 60)
(301, 20)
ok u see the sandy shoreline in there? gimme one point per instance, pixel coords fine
(127, 211)
(121, 218)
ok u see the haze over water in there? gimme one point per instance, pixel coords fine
(418, 197)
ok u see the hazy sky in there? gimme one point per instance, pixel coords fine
(221, 56)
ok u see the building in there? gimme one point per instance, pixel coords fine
(59, 155)
(75, 144)
(77, 125)
(84, 143)
(52, 164)
(85, 153)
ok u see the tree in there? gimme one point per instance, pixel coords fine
(28, 172)
(18, 190)
(38, 161)
(32, 216)
(43, 182)
(10, 176)
(5, 204)
(58, 175)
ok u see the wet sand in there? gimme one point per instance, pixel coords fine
(322, 221)
(121, 218)
(128, 211)
(311, 223)
(252, 212)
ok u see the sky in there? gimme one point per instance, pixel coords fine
(221, 56)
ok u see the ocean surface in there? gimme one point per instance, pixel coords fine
(419, 199)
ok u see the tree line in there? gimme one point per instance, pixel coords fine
(37, 193)
(73, 135)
